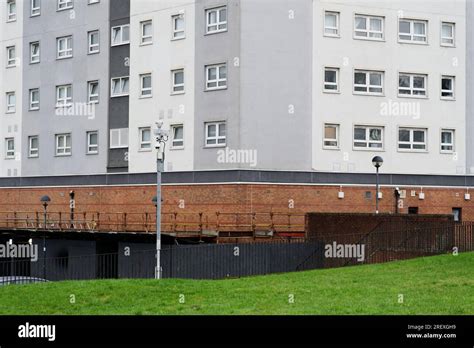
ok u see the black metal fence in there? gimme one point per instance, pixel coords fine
(218, 261)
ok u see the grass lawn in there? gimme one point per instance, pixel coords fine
(431, 285)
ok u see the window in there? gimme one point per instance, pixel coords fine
(91, 2)
(64, 47)
(93, 92)
(447, 141)
(119, 86)
(215, 134)
(65, 4)
(11, 56)
(216, 76)
(447, 34)
(368, 82)
(34, 52)
(63, 144)
(33, 146)
(178, 26)
(119, 138)
(121, 35)
(93, 39)
(447, 87)
(331, 136)
(9, 148)
(11, 10)
(34, 99)
(412, 30)
(413, 210)
(216, 20)
(331, 79)
(63, 96)
(412, 85)
(331, 23)
(177, 132)
(177, 77)
(369, 27)
(146, 32)
(412, 139)
(366, 137)
(11, 102)
(145, 85)
(92, 142)
(457, 213)
(35, 7)
(145, 139)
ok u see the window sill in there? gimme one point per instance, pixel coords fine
(92, 153)
(412, 151)
(332, 36)
(331, 148)
(33, 63)
(67, 155)
(215, 146)
(33, 157)
(176, 148)
(413, 42)
(144, 150)
(178, 93)
(35, 15)
(146, 96)
(64, 9)
(146, 44)
(208, 33)
(447, 99)
(93, 52)
(369, 94)
(371, 149)
(11, 66)
(368, 39)
(448, 45)
(215, 89)
(447, 152)
(63, 58)
(178, 38)
(119, 95)
(120, 44)
(328, 91)
(407, 96)
(36, 109)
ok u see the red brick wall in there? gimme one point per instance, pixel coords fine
(233, 198)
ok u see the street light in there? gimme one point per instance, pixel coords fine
(161, 137)
(45, 201)
(377, 161)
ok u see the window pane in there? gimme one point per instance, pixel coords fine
(404, 81)
(179, 78)
(359, 133)
(330, 76)
(404, 135)
(126, 34)
(222, 130)
(447, 30)
(146, 82)
(419, 28)
(330, 132)
(446, 137)
(419, 136)
(418, 82)
(376, 79)
(404, 27)
(376, 24)
(360, 78)
(376, 134)
(211, 130)
(93, 139)
(331, 20)
(360, 23)
(446, 84)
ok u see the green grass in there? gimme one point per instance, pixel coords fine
(431, 285)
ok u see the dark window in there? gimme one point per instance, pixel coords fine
(457, 212)
(368, 195)
(413, 210)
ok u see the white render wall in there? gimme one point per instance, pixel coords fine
(11, 81)
(348, 109)
(159, 59)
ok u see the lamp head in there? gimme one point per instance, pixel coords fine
(377, 161)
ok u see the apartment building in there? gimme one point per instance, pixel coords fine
(303, 85)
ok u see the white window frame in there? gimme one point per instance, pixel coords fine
(218, 79)
(221, 25)
(452, 144)
(11, 14)
(367, 84)
(35, 58)
(93, 98)
(33, 152)
(452, 91)
(451, 38)
(67, 52)
(146, 39)
(178, 34)
(412, 31)
(92, 149)
(93, 48)
(122, 134)
(11, 61)
(336, 28)
(328, 140)
(65, 5)
(34, 105)
(411, 142)
(63, 102)
(412, 89)
(10, 107)
(9, 153)
(65, 150)
(217, 137)
(368, 31)
(177, 88)
(121, 41)
(367, 140)
(121, 80)
(144, 145)
(327, 83)
(146, 92)
(175, 140)
(35, 11)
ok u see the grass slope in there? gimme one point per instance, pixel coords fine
(432, 285)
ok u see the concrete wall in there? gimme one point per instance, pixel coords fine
(51, 72)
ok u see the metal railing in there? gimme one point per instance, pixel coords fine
(249, 224)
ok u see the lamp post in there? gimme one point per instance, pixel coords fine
(45, 201)
(377, 161)
(161, 136)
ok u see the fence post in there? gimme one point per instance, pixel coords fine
(254, 227)
(217, 224)
(175, 225)
(200, 226)
(37, 220)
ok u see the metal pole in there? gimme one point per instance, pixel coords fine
(159, 167)
(377, 192)
(44, 242)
